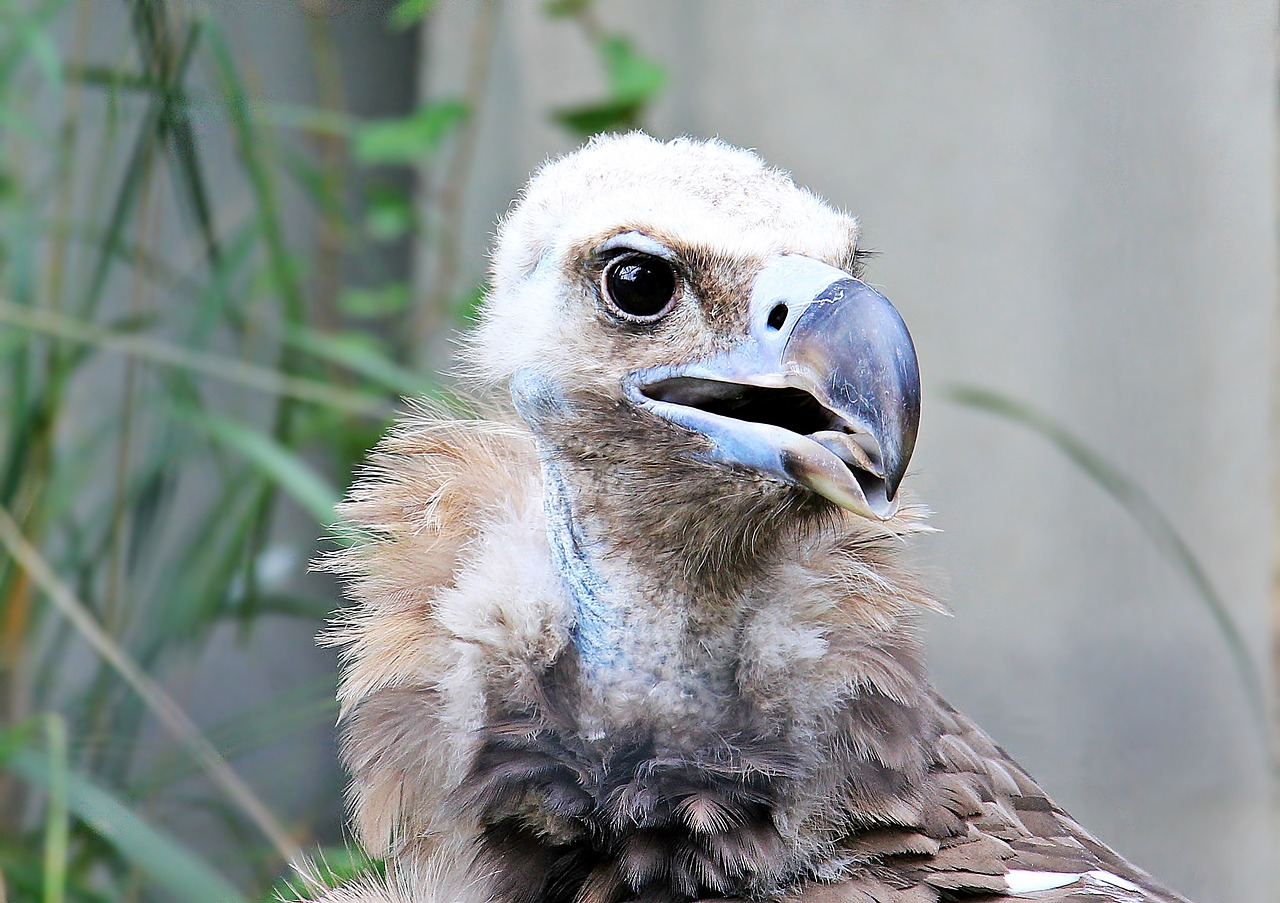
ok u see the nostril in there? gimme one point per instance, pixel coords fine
(777, 316)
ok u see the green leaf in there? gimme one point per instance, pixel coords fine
(360, 353)
(563, 9)
(610, 116)
(466, 307)
(379, 301)
(315, 120)
(281, 464)
(388, 214)
(634, 81)
(23, 881)
(165, 862)
(34, 40)
(112, 78)
(632, 76)
(284, 605)
(334, 866)
(346, 440)
(408, 13)
(198, 575)
(189, 174)
(409, 139)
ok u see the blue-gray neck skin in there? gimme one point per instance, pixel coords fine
(643, 645)
(597, 626)
(643, 642)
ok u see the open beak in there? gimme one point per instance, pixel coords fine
(823, 393)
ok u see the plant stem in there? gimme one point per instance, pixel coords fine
(161, 704)
(332, 151)
(452, 192)
(262, 379)
(1154, 522)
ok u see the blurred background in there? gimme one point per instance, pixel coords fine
(234, 234)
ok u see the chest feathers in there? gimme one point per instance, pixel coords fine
(600, 732)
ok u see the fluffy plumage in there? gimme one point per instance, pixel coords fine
(590, 663)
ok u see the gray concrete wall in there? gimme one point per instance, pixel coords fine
(1074, 204)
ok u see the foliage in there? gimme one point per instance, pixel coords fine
(634, 81)
(187, 378)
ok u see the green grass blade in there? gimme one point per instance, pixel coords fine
(357, 353)
(253, 149)
(261, 724)
(162, 705)
(30, 40)
(289, 471)
(189, 172)
(1147, 514)
(331, 867)
(165, 862)
(56, 829)
(131, 189)
(220, 367)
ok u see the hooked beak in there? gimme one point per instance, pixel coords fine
(823, 393)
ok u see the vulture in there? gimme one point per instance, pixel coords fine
(645, 632)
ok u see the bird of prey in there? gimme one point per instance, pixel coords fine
(646, 633)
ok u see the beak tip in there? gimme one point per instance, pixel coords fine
(864, 361)
(895, 475)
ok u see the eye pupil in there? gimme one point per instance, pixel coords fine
(640, 285)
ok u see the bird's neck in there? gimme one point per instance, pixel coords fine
(599, 623)
(644, 638)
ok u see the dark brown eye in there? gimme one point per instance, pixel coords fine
(640, 285)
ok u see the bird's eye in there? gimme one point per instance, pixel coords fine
(640, 286)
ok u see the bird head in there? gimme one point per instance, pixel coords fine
(688, 325)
